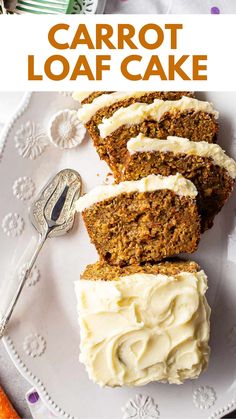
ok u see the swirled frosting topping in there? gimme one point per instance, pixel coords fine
(142, 328)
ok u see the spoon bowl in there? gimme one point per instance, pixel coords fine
(53, 212)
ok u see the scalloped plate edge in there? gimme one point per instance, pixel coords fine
(25, 372)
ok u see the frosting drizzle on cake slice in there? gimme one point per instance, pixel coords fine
(178, 145)
(177, 183)
(88, 110)
(138, 112)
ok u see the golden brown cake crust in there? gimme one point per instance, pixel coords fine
(105, 272)
(141, 227)
(213, 182)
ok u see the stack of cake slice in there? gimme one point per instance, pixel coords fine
(204, 164)
(112, 119)
(144, 316)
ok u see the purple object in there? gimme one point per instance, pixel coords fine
(33, 397)
(215, 10)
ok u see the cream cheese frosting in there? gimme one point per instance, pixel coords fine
(176, 183)
(138, 112)
(142, 328)
(176, 145)
(80, 96)
(88, 110)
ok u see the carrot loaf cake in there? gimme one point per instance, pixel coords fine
(99, 105)
(143, 323)
(112, 119)
(145, 220)
(206, 165)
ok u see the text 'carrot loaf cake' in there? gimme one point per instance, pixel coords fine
(145, 220)
(143, 323)
(112, 119)
(206, 165)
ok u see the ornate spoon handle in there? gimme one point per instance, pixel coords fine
(3, 7)
(8, 312)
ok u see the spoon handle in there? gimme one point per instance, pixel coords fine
(8, 312)
(3, 7)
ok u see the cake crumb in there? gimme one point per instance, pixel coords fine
(108, 179)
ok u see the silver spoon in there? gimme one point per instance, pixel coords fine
(52, 215)
(2, 5)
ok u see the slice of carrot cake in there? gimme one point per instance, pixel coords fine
(206, 165)
(143, 323)
(99, 105)
(112, 119)
(145, 220)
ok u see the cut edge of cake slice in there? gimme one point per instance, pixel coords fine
(206, 165)
(145, 220)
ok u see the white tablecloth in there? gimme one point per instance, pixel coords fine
(171, 6)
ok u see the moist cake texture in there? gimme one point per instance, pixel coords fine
(206, 165)
(144, 327)
(99, 107)
(111, 127)
(146, 220)
(105, 272)
(186, 117)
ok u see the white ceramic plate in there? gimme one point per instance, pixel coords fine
(43, 336)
